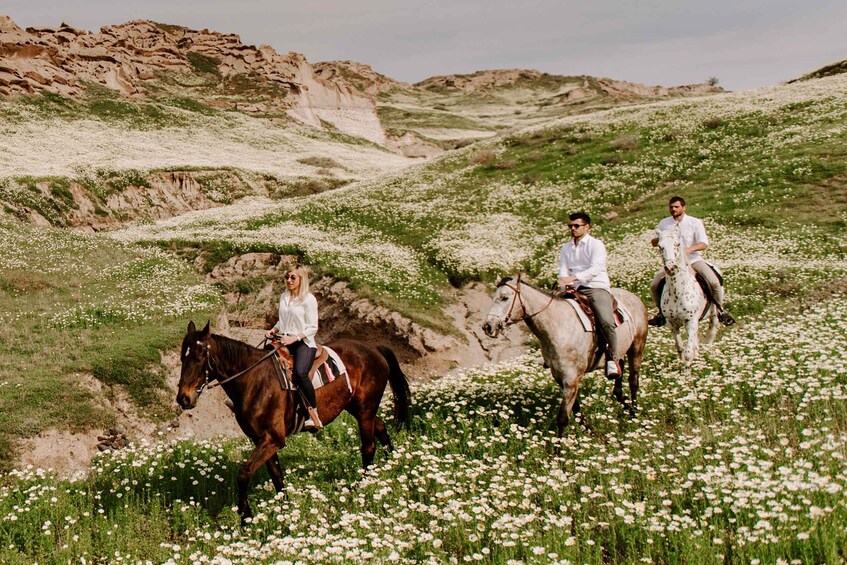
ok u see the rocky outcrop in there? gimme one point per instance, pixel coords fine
(411, 145)
(131, 57)
(621, 88)
(574, 88)
(362, 76)
(94, 205)
(480, 80)
(345, 314)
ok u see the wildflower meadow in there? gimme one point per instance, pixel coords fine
(742, 461)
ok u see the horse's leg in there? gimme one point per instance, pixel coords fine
(366, 433)
(275, 471)
(382, 433)
(713, 325)
(577, 409)
(570, 389)
(265, 449)
(617, 391)
(677, 338)
(692, 345)
(636, 350)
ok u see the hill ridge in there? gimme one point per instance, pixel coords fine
(142, 58)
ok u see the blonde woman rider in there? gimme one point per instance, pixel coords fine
(296, 329)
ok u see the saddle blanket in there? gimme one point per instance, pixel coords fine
(323, 374)
(621, 315)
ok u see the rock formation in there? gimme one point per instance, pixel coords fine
(362, 76)
(572, 88)
(141, 57)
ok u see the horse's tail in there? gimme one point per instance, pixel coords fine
(399, 387)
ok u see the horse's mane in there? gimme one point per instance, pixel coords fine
(544, 291)
(232, 348)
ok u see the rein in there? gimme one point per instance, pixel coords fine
(517, 298)
(209, 369)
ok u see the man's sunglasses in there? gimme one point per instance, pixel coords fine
(574, 226)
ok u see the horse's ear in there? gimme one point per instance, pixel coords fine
(520, 274)
(191, 327)
(205, 330)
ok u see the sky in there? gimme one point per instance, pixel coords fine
(744, 43)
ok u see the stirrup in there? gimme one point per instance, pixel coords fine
(657, 321)
(313, 421)
(725, 318)
(613, 371)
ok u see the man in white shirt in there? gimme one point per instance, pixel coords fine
(582, 265)
(693, 238)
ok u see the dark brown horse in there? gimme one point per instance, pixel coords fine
(268, 414)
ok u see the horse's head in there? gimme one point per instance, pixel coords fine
(195, 356)
(669, 245)
(506, 306)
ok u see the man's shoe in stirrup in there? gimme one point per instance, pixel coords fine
(612, 369)
(657, 321)
(314, 421)
(725, 318)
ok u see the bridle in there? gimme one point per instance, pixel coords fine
(677, 259)
(517, 298)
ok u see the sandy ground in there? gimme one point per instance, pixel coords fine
(71, 453)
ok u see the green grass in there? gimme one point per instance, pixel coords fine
(204, 64)
(404, 119)
(743, 461)
(725, 467)
(74, 306)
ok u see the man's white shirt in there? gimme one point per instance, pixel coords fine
(691, 231)
(585, 261)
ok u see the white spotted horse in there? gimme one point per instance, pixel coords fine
(684, 302)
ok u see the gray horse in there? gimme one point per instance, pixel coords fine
(568, 349)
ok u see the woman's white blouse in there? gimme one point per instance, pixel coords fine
(298, 317)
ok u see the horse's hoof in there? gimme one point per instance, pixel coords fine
(246, 517)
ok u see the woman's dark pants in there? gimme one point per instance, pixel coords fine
(304, 356)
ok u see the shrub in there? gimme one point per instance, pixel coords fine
(483, 157)
(204, 63)
(713, 123)
(321, 162)
(626, 142)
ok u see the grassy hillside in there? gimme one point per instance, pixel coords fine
(452, 112)
(742, 462)
(829, 70)
(765, 169)
(75, 307)
(105, 143)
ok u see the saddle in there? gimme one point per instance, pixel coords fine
(325, 368)
(582, 300)
(707, 290)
